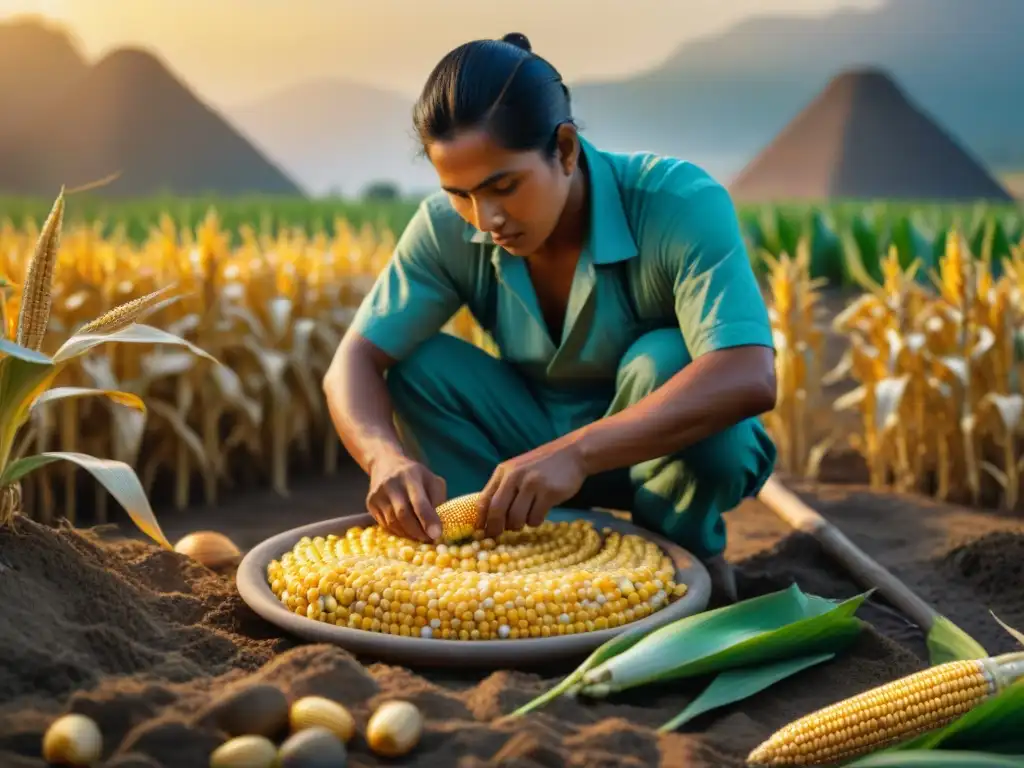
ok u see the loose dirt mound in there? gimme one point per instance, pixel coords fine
(139, 638)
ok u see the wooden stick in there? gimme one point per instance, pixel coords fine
(869, 573)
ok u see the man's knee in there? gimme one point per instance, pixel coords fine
(734, 462)
(433, 367)
(652, 360)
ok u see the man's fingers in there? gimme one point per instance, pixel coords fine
(387, 517)
(520, 510)
(374, 509)
(538, 512)
(425, 512)
(484, 500)
(497, 512)
(437, 490)
(408, 520)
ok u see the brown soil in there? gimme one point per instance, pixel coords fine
(140, 639)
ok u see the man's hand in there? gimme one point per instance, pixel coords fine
(523, 490)
(403, 497)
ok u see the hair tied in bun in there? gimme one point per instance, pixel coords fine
(518, 39)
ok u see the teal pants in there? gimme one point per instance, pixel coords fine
(462, 412)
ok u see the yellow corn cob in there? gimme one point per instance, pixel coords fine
(459, 518)
(888, 714)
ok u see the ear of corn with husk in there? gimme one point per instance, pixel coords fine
(889, 714)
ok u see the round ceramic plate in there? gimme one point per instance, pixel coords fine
(416, 651)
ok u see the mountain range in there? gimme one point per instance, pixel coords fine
(717, 100)
(720, 98)
(68, 122)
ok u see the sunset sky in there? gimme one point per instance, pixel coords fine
(238, 50)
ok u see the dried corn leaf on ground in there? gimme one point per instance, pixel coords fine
(130, 642)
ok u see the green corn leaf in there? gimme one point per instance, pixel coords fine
(762, 630)
(607, 650)
(939, 759)
(768, 226)
(989, 243)
(22, 379)
(912, 245)
(854, 267)
(116, 476)
(947, 642)
(871, 239)
(826, 250)
(10, 348)
(788, 227)
(737, 684)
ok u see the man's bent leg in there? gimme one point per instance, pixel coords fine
(684, 496)
(462, 412)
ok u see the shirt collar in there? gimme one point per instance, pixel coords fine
(611, 239)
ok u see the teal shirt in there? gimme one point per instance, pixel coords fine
(665, 249)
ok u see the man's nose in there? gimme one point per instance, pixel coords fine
(489, 215)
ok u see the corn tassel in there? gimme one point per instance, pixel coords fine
(124, 315)
(889, 714)
(37, 293)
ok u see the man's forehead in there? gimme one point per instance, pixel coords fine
(470, 167)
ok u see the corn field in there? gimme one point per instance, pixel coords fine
(931, 355)
(935, 360)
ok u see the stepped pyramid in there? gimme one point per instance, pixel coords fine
(862, 137)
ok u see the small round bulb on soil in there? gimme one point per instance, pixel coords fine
(312, 711)
(212, 549)
(245, 752)
(394, 728)
(313, 747)
(260, 709)
(73, 740)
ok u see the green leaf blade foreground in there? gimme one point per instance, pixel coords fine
(939, 759)
(737, 684)
(10, 348)
(116, 476)
(750, 618)
(758, 631)
(948, 642)
(605, 651)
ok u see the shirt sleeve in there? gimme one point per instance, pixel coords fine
(414, 296)
(718, 302)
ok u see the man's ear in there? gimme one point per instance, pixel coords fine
(569, 148)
